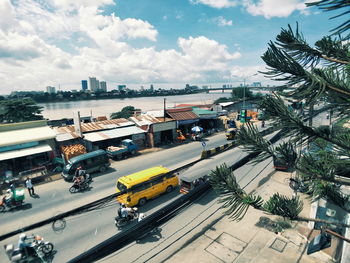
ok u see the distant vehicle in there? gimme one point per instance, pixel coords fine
(231, 133)
(279, 164)
(144, 185)
(231, 124)
(189, 182)
(96, 161)
(127, 147)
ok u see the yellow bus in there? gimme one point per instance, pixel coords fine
(146, 184)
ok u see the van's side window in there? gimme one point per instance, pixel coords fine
(170, 175)
(141, 187)
(157, 180)
(88, 162)
(97, 159)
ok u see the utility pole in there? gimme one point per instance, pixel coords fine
(164, 109)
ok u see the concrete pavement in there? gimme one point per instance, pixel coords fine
(225, 240)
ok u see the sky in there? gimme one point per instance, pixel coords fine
(167, 43)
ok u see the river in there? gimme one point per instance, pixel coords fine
(95, 108)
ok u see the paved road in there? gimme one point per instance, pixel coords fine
(88, 229)
(55, 197)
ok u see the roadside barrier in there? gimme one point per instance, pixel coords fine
(216, 150)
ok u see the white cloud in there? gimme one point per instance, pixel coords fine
(76, 4)
(18, 47)
(274, 8)
(266, 8)
(112, 28)
(216, 3)
(7, 15)
(63, 42)
(222, 21)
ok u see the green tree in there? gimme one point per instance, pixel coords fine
(239, 93)
(126, 112)
(19, 110)
(314, 74)
(222, 99)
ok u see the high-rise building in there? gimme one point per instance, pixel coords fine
(93, 84)
(103, 85)
(84, 85)
(50, 89)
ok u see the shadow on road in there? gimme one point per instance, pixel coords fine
(152, 236)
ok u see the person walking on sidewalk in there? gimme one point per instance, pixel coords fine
(30, 186)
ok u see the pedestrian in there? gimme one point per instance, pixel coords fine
(30, 186)
(262, 123)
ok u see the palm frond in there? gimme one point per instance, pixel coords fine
(235, 200)
(284, 206)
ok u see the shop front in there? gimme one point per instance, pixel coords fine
(25, 149)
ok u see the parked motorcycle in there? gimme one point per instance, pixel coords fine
(133, 214)
(39, 249)
(81, 186)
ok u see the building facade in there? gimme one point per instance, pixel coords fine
(84, 85)
(93, 84)
(50, 89)
(103, 85)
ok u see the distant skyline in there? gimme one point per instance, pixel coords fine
(167, 43)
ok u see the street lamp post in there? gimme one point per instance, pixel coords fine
(244, 88)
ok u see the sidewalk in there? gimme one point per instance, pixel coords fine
(244, 241)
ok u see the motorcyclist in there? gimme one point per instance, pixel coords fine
(81, 172)
(123, 211)
(25, 247)
(8, 197)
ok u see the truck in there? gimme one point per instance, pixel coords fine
(127, 147)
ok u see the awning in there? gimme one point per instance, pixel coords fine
(26, 135)
(25, 152)
(111, 134)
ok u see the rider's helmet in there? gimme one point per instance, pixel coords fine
(22, 236)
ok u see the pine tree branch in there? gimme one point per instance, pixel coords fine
(309, 219)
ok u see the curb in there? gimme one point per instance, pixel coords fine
(216, 150)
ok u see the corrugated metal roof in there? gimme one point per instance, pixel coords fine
(182, 114)
(26, 135)
(144, 120)
(205, 106)
(114, 133)
(95, 126)
(156, 113)
(66, 136)
(199, 111)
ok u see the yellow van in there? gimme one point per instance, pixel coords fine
(145, 185)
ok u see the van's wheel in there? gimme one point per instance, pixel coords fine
(142, 201)
(169, 189)
(102, 169)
